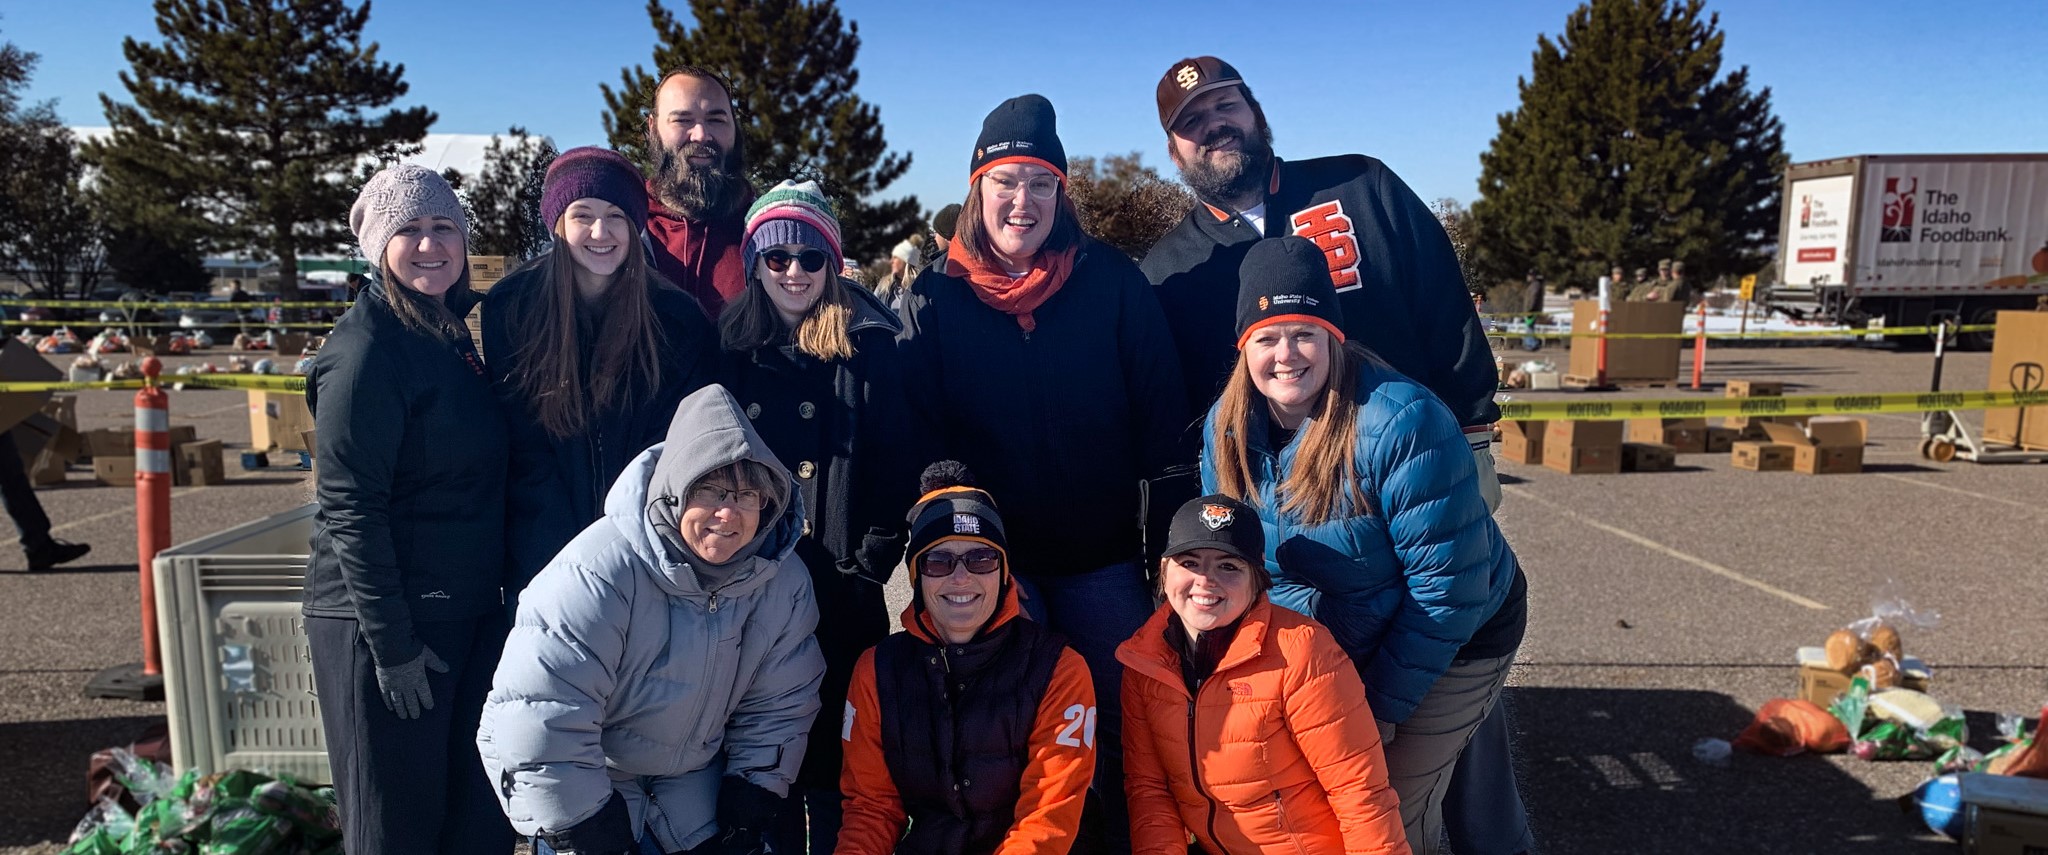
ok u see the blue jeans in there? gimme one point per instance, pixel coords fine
(1096, 611)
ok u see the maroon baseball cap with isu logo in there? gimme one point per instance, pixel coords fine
(1188, 78)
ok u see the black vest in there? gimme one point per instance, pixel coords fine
(956, 731)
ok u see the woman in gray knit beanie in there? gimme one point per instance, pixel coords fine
(403, 591)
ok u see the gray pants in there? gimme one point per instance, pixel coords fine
(1422, 750)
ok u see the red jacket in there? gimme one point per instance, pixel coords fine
(703, 258)
(1057, 773)
(1289, 757)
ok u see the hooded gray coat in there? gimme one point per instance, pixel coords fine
(623, 674)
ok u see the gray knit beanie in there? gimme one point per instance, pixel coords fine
(396, 196)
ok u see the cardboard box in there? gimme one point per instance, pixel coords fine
(114, 471)
(290, 344)
(1834, 446)
(1721, 440)
(1522, 442)
(1584, 433)
(200, 463)
(2004, 814)
(63, 408)
(1755, 389)
(107, 442)
(1647, 457)
(486, 270)
(2019, 352)
(20, 363)
(1819, 684)
(1545, 381)
(1628, 359)
(1685, 436)
(1582, 460)
(1761, 456)
(54, 460)
(276, 420)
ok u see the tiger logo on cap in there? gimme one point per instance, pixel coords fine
(1217, 516)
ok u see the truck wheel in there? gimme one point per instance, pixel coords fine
(1985, 316)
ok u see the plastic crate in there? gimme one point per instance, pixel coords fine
(238, 675)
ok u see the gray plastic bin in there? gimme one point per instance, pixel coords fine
(238, 677)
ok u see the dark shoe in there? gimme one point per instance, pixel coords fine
(54, 553)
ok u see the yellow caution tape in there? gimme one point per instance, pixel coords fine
(267, 382)
(1849, 403)
(1834, 333)
(151, 304)
(65, 386)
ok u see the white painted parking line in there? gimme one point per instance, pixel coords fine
(1654, 546)
(1959, 491)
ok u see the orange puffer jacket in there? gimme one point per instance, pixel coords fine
(1276, 752)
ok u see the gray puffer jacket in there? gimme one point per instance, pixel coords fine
(623, 674)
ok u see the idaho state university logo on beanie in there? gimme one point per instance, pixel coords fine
(1286, 280)
(1022, 129)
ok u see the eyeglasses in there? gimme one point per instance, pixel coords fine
(813, 260)
(712, 496)
(1005, 187)
(939, 565)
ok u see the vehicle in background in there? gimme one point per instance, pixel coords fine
(225, 319)
(1914, 239)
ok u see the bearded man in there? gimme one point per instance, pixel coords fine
(1397, 277)
(697, 194)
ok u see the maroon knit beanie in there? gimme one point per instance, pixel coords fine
(593, 173)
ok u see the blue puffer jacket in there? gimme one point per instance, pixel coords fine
(1407, 581)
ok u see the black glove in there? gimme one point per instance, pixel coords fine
(744, 812)
(607, 832)
(404, 687)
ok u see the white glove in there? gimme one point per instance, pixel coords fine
(1489, 479)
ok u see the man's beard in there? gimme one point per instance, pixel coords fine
(699, 192)
(1233, 178)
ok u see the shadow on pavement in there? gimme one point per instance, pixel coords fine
(43, 785)
(1612, 771)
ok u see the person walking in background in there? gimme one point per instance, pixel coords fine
(657, 687)
(697, 191)
(1395, 271)
(406, 578)
(1374, 525)
(591, 350)
(1246, 727)
(812, 361)
(1039, 358)
(973, 731)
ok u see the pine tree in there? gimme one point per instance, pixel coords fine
(790, 64)
(50, 229)
(1125, 203)
(1629, 146)
(504, 199)
(248, 121)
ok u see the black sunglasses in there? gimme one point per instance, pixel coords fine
(980, 562)
(813, 260)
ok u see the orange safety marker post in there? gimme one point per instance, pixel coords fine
(145, 681)
(1699, 349)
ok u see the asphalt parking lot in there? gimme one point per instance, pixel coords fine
(1664, 608)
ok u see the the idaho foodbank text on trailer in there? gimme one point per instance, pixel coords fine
(1914, 239)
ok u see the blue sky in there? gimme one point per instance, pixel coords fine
(1417, 84)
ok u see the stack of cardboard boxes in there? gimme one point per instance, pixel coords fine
(194, 462)
(1814, 446)
(1522, 442)
(2017, 354)
(279, 421)
(485, 271)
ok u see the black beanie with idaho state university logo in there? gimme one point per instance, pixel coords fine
(1286, 280)
(1022, 129)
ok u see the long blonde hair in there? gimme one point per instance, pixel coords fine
(1325, 470)
(751, 321)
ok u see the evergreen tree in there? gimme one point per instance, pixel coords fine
(504, 200)
(1630, 146)
(248, 119)
(790, 65)
(50, 230)
(1125, 203)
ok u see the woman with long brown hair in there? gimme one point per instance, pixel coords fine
(591, 350)
(811, 359)
(1374, 522)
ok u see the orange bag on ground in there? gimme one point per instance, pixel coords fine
(1785, 727)
(2031, 759)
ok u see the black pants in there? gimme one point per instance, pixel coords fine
(20, 496)
(418, 785)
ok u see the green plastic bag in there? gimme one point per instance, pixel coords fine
(1852, 706)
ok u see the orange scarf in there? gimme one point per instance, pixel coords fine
(1018, 297)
